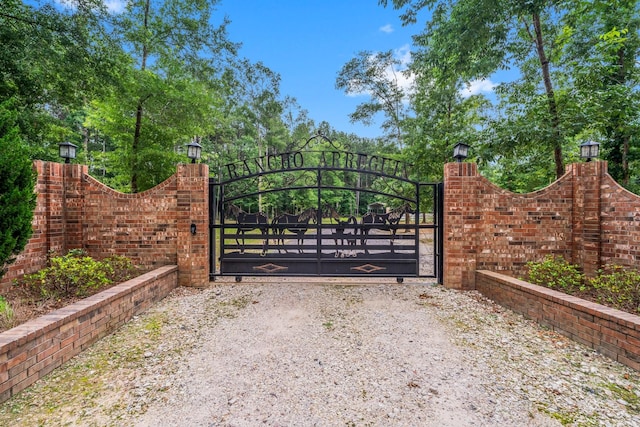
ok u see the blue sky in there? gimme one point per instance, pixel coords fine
(308, 41)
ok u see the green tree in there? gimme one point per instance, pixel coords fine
(471, 39)
(603, 51)
(377, 75)
(17, 196)
(52, 62)
(170, 93)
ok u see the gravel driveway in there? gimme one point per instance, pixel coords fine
(321, 353)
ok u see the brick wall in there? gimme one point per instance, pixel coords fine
(620, 224)
(614, 333)
(584, 216)
(152, 228)
(32, 350)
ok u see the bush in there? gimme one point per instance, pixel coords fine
(614, 286)
(556, 273)
(76, 274)
(17, 196)
(618, 287)
(7, 316)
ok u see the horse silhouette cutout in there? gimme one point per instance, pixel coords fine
(345, 231)
(385, 222)
(297, 224)
(248, 222)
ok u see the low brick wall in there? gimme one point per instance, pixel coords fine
(612, 332)
(30, 351)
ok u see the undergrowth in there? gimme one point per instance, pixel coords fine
(76, 274)
(66, 278)
(614, 285)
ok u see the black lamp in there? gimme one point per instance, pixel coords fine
(589, 150)
(460, 151)
(194, 150)
(67, 151)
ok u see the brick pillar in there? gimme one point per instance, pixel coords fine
(51, 186)
(73, 208)
(461, 216)
(192, 208)
(587, 214)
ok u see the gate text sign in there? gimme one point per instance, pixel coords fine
(295, 160)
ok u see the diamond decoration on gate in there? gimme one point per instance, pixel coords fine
(368, 268)
(270, 268)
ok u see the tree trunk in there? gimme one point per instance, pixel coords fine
(551, 98)
(139, 110)
(135, 146)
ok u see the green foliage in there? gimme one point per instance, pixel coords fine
(615, 286)
(556, 273)
(76, 274)
(618, 287)
(17, 196)
(379, 75)
(7, 316)
(577, 75)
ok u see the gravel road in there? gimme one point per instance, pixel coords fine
(322, 353)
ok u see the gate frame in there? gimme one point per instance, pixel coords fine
(217, 200)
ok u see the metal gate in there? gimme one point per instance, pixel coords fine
(324, 211)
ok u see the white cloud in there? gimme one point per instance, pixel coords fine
(478, 86)
(113, 6)
(387, 29)
(404, 55)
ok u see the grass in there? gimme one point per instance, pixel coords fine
(628, 395)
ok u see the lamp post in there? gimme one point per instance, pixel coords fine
(194, 151)
(460, 151)
(67, 151)
(589, 150)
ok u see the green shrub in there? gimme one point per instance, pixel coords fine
(120, 268)
(17, 196)
(556, 273)
(614, 286)
(7, 316)
(76, 274)
(617, 287)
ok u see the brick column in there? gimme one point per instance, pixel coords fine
(461, 215)
(73, 207)
(192, 208)
(51, 187)
(587, 214)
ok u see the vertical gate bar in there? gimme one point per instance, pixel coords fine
(222, 224)
(416, 228)
(319, 224)
(213, 214)
(440, 233)
(436, 232)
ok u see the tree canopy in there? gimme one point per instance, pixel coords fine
(132, 88)
(577, 74)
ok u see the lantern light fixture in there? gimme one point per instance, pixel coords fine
(589, 150)
(194, 151)
(460, 151)
(67, 151)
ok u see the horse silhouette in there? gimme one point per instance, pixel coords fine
(247, 222)
(297, 224)
(385, 222)
(344, 231)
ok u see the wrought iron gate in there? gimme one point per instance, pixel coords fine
(367, 217)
